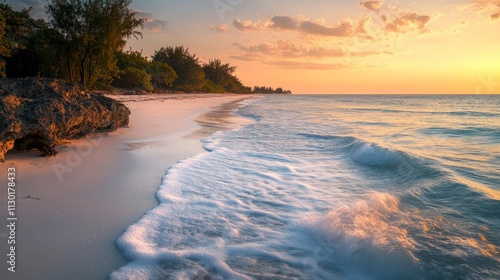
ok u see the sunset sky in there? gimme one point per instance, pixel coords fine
(346, 46)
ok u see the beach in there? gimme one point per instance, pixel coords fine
(71, 208)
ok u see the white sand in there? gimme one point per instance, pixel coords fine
(72, 208)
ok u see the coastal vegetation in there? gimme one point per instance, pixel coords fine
(83, 43)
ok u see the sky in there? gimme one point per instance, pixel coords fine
(325, 46)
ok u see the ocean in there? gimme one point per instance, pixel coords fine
(332, 187)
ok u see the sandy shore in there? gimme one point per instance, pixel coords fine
(73, 207)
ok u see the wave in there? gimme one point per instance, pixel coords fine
(461, 132)
(449, 113)
(362, 152)
(382, 238)
(373, 155)
(366, 236)
(370, 154)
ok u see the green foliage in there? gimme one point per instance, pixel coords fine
(103, 87)
(42, 56)
(131, 59)
(219, 73)
(257, 89)
(222, 78)
(212, 88)
(161, 73)
(93, 30)
(14, 26)
(190, 74)
(133, 77)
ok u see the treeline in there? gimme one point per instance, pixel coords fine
(257, 89)
(83, 41)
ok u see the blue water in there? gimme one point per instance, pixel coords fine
(332, 187)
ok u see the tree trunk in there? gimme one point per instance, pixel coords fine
(68, 64)
(82, 73)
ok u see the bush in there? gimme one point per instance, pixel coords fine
(133, 77)
(161, 73)
(103, 87)
(210, 87)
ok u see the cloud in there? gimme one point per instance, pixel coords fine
(221, 28)
(307, 65)
(249, 26)
(284, 22)
(373, 5)
(489, 6)
(286, 49)
(150, 22)
(345, 28)
(409, 22)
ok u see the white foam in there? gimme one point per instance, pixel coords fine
(214, 210)
(366, 236)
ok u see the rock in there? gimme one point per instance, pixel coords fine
(40, 113)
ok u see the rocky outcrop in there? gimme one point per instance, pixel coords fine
(39, 113)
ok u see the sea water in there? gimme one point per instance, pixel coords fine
(332, 187)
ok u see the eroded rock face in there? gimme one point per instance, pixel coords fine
(39, 113)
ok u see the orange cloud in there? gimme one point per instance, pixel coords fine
(410, 22)
(287, 49)
(284, 22)
(249, 26)
(345, 28)
(371, 5)
(307, 65)
(221, 28)
(490, 6)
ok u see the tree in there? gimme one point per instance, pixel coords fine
(257, 89)
(220, 74)
(42, 56)
(130, 77)
(190, 74)
(161, 73)
(236, 86)
(14, 26)
(93, 30)
(131, 59)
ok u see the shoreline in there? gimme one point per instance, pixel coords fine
(73, 207)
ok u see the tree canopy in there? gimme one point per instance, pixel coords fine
(14, 26)
(219, 73)
(93, 30)
(135, 70)
(42, 57)
(189, 72)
